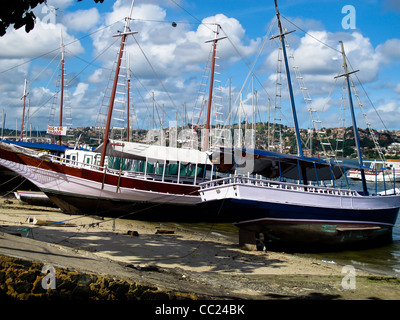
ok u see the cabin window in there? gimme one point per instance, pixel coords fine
(88, 159)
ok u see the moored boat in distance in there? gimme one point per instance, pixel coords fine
(379, 171)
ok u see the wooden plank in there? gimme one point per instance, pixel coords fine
(358, 229)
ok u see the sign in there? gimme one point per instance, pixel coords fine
(57, 131)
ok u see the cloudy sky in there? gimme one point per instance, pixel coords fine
(168, 63)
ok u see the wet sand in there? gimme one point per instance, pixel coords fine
(205, 263)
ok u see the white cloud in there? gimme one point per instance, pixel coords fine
(97, 76)
(387, 114)
(388, 107)
(44, 38)
(179, 55)
(82, 20)
(61, 4)
(319, 64)
(80, 89)
(389, 50)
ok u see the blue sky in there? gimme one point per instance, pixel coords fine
(179, 56)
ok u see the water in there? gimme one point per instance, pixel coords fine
(384, 260)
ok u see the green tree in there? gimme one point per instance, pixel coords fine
(19, 13)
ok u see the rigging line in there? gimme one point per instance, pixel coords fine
(305, 32)
(154, 71)
(50, 98)
(72, 42)
(149, 93)
(88, 62)
(197, 19)
(246, 63)
(91, 62)
(369, 99)
(11, 179)
(40, 73)
(69, 82)
(140, 94)
(249, 67)
(169, 22)
(162, 197)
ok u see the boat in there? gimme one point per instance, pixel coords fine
(151, 182)
(379, 171)
(306, 214)
(37, 198)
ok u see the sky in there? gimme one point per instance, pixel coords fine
(168, 63)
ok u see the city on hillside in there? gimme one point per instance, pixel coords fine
(326, 142)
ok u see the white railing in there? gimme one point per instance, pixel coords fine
(277, 185)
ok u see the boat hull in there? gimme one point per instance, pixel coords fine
(93, 192)
(317, 229)
(295, 219)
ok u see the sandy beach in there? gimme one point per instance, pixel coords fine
(203, 264)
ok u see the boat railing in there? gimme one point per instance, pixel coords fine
(179, 179)
(277, 185)
(74, 163)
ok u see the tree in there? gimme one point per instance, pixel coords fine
(19, 13)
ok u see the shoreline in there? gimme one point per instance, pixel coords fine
(179, 261)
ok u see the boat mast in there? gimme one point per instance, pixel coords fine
(289, 81)
(62, 87)
(353, 118)
(127, 100)
(23, 112)
(114, 88)
(210, 94)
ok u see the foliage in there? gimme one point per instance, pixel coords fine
(19, 13)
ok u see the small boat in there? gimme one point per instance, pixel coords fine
(379, 171)
(37, 198)
(306, 214)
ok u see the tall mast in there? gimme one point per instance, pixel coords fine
(210, 94)
(289, 81)
(23, 111)
(114, 88)
(62, 87)
(353, 119)
(127, 100)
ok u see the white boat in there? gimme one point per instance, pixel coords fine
(304, 215)
(379, 171)
(152, 182)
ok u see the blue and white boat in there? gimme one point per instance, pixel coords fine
(305, 214)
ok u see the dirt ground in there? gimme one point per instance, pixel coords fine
(178, 257)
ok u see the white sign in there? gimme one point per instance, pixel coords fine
(57, 131)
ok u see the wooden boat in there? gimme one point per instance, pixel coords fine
(163, 186)
(304, 215)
